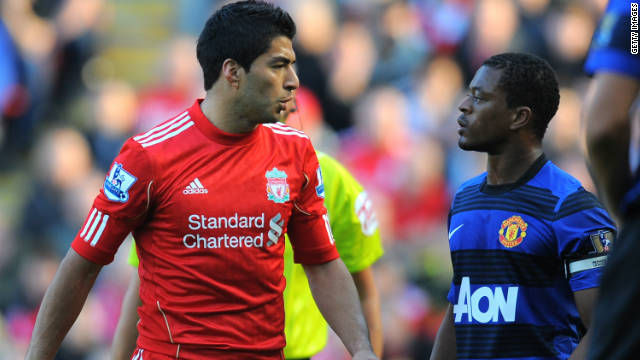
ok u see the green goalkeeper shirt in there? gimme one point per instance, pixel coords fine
(355, 230)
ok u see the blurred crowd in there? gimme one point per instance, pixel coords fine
(382, 80)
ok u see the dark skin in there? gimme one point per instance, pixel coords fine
(608, 129)
(507, 135)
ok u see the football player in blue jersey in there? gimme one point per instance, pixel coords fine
(528, 242)
(607, 115)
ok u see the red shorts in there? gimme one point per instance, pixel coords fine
(144, 354)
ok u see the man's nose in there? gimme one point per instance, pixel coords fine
(291, 81)
(464, 105)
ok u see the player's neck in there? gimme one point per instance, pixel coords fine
(509, 166)
(217, 110)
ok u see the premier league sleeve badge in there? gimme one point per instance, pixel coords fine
(602, 241)
(118, 183)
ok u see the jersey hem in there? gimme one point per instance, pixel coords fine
(205, 351)
(79, 247)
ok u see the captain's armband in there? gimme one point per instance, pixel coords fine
(593, 256)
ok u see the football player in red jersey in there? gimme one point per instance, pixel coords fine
(208, 195)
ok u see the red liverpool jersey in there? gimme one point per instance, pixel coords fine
(208, 210)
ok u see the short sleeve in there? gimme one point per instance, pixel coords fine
(309, 230)
(584, 232)
(610, 47)
(119, 208)
(351, 215)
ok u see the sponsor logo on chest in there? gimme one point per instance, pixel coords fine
(230, 231)
(485, 304)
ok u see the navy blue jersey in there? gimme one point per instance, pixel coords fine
(519, 251)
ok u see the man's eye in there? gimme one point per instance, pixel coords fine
(474, 98)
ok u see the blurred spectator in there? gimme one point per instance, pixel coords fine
(434, 95)
(13, 97)
(445, 23)
(179, 80)
(493, 26)
(401, 46)
(114, 110)
(63, 175)
(569, 32)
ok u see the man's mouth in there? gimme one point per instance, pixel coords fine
(462, 124)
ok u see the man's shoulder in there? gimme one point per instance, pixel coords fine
(610, 49)
(573, 197)
(173, 131)
(559, 182)
(284, 133)
(473, 183)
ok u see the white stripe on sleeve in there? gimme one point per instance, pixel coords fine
(93, 226)
(105, 218)
(84, 231)
(298, 134)
(160, 127)
(169, 135)
(165, 131)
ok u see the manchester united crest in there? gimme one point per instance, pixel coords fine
(277, 186)
(513, 231)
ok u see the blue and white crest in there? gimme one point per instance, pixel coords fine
(118, 183)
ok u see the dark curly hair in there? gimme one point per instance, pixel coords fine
(528, 80)
(241, 31)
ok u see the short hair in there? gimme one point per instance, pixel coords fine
(528, 80)
(241, 31)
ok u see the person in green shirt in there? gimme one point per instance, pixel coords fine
(355, 230)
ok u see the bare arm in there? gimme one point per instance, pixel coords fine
(61, 305)
(336, 297)
(586, 303)
(370, 302)
(606, 116)
(444, 347)
(124, 340)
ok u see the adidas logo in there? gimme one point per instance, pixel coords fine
(195, 188)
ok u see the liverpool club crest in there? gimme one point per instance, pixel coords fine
(277, 187)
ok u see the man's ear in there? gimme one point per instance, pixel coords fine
(521, 118)
(231, 71)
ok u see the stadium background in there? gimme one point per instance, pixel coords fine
(77, 77)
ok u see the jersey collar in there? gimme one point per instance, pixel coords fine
(528, 175)
(214, 133)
